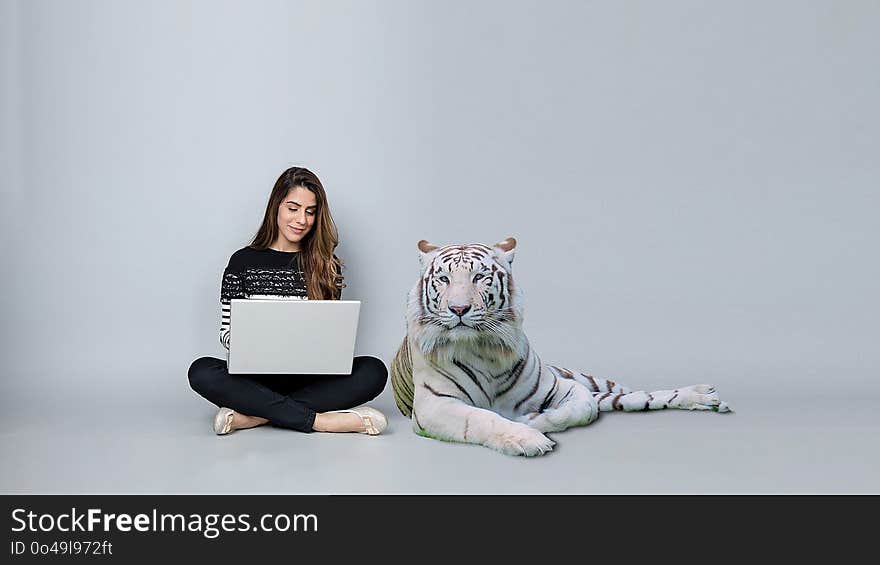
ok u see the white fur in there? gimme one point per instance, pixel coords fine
(461, 376)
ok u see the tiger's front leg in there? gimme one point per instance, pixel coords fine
(567, 404)
(443, 416)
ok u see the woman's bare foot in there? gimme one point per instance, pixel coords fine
(243, 421)
(338, 422)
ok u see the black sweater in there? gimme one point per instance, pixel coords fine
(266, 273)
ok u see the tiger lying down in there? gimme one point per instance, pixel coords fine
(465, 371)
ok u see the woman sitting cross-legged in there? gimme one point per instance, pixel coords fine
(291, 256)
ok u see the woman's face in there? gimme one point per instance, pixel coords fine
(296, 216)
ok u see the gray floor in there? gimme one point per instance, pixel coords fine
(134, 439)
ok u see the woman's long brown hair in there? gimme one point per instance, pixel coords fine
(322, 269)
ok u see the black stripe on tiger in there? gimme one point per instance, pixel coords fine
(435, 393)
(615, 404)
(472, 376)
(549, 396)
(512, 370)
(567, 394)
(517, 367)
(451, 254)
(501, 289)
(513, 376)
(531, 392)
(425, 298)
(451, 378)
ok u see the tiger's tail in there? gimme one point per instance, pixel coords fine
(613, 396)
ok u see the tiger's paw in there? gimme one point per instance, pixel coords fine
(520, 439)
(700, 397)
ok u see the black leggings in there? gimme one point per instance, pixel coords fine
(288, 401)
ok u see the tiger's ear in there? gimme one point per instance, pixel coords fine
(426, 253)
(505, 250)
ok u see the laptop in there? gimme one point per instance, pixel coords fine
(292, 336)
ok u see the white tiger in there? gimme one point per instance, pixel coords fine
(465, 371)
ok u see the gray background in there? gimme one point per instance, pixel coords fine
(693, 185)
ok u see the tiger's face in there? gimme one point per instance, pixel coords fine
(466, 294)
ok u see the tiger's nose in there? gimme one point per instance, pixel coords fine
(460, 310)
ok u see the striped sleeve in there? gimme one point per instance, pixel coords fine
(230, 288)
(340, 278)
(224, 323)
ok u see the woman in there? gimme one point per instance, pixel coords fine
(290, 257)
